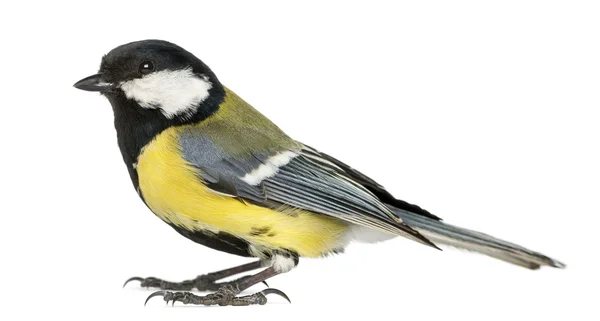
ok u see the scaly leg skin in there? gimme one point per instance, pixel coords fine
(227, 294)
(206, 282)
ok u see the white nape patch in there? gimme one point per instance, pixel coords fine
(269, 169)
(175, 92)
(282, 264)
(363, 234)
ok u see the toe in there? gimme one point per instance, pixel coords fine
(275, 291)
(167, 296)
(135, 278)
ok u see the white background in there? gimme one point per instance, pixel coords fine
(485, 114)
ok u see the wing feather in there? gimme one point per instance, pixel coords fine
(305, 180)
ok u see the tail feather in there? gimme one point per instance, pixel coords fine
(446, 234)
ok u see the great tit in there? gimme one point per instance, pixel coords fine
(221, 174)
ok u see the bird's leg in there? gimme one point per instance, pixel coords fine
(227, 294)
(205, 282)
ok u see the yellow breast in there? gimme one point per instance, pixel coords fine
(175, 193)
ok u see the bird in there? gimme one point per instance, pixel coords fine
(223, 175)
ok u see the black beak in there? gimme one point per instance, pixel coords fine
(94, 83)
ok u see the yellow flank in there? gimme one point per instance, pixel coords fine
(175, 193)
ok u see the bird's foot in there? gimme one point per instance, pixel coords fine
(152, 282)
(225, 295)
(205, 282)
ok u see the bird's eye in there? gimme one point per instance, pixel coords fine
(146, 67)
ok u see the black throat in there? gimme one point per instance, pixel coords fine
(137, 126)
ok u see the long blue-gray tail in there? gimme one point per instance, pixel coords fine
(445, 234)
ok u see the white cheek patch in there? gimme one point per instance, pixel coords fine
(269, 169)
(175, 92)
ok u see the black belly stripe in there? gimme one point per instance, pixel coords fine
(219, 241)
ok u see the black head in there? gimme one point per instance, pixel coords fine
(153, 85)
(156, 75)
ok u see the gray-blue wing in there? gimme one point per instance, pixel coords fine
(299, 178)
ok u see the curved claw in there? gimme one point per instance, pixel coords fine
(157, 293)
(264, 282)
(135, 278)
(275, 291)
